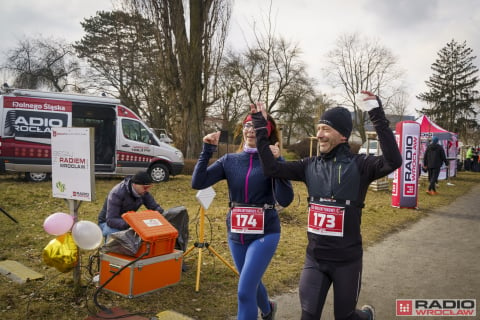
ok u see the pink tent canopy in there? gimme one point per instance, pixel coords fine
(427, 125)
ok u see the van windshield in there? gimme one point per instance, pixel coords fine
(136, 131)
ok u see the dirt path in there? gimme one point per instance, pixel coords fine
(435, 258)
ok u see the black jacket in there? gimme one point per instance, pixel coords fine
(339, 175)
(434, 156)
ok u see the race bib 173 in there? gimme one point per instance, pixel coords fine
(326, 220)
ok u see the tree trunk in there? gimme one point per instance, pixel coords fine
(193, 122)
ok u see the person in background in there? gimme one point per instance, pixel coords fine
(469, 159)
(475, 164)
(253, 224)
(129, 195)
(433, 159)
(337, 182)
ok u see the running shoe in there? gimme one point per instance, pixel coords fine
(273, 310)
(368, 309)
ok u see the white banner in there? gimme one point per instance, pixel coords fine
(72, 164)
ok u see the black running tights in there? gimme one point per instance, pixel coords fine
(315, 281)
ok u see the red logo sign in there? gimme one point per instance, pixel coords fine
(437, 307)
(404, 307)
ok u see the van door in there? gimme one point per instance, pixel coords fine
(135, 146)
(102, 118)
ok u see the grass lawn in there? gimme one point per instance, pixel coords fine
(54, 297)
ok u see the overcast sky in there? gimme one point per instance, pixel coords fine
(414, 30)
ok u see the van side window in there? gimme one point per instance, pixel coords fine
(135, 130)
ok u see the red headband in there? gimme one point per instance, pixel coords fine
(269, 124)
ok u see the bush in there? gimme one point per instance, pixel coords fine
(302, 149)
(289, 156)
(223, 148)
(189, 166)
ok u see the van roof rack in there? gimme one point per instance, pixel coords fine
(64, 96)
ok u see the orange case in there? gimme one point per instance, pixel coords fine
(143, 276)
(153, 228)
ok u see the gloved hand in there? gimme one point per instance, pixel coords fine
(366, 100)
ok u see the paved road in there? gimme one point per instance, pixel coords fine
(435, 258)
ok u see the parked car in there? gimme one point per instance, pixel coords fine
(370, 147)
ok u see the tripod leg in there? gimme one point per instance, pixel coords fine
(201, 240)
(6, 213)
(223, 260)
(188, 251)
(199, 266)
(200, 245)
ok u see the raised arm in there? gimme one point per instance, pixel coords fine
(391, 157)
(292, 170)
(203, 175)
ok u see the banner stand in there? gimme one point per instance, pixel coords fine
(405, 180)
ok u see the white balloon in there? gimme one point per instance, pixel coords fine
(87, 235)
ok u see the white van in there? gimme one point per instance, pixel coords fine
(124, 144)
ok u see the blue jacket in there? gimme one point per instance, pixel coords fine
(246, 184)
(122, 199)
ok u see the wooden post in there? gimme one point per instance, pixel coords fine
(73, 206)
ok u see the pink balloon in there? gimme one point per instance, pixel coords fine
(58, 223)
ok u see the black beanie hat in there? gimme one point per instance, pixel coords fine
(338, 118)
(142, 178)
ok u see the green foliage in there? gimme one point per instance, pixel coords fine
(119, 47)
(452, 94)
(289, 156)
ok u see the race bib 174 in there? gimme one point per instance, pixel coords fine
(247, 220)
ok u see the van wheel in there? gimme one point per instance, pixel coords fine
(159, 173)
(36, 176)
